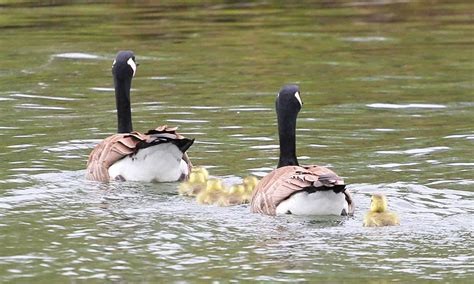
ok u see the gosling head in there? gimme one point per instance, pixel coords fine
(197, 177)
(250, 183)
(214, 185)
(250, 180)
(202, 171)
(378, 203)
(237, 189)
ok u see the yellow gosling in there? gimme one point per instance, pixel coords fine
(202, 171)
(212, 193)
(249, 183)
(378, 215)
(237, 194)
(195, 184)
(233, 196)
(223, 200)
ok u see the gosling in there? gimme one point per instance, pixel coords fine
(212, 193)
(196, 182)
(378, 216)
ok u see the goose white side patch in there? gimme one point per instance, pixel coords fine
(317, 203)
(159, 163)
(297, 96)
(113, 64)
(133, 65)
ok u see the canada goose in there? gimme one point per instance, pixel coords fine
(378, 216)
(294, 189)
(156, 156)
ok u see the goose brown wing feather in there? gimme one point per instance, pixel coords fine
(118, 146)
(285, 181)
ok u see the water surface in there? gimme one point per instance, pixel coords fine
(387, 88)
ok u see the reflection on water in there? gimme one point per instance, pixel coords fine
(387, 91)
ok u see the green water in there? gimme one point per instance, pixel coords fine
(388, 93)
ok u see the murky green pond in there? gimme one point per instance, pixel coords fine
(388, 88)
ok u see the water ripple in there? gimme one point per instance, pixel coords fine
(76, 55)
(184, 236)
(367, 39)
(464, 136)
(40, 107)
(405, 106)
(18, 95)
(417, 152)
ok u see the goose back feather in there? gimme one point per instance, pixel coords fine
(283, 182)
(121, 145)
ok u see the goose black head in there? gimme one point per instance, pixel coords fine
(289, 100)
(288, 104)
(123, 70)
(124, 66)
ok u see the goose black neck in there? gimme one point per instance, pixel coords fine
(122, 101)
(287, 136)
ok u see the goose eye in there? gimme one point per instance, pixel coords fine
(297, 96)
(132, 65)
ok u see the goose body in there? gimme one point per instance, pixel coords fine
(295, 189)
(317, 203)
(159, 155)
(159, 163)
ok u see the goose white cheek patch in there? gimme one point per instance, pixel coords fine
(133, 65)
(297, 96)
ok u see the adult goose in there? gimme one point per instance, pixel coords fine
(295, 189)
(159, 155)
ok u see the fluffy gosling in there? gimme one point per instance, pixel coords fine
(212, 193)
(378, 216)
(196, 182)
